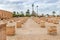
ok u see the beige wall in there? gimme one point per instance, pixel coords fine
(5, 14)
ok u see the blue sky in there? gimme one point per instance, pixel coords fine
(45, 6)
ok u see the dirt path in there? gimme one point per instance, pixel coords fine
(30, 27)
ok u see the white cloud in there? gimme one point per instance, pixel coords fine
(45, 6)
(12, 0)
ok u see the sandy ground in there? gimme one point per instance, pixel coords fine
(32, 31)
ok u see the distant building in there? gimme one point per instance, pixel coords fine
(5, 14)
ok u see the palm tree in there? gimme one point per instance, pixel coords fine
(33, 7)
(28, 12)
(14, 14)
(54, 13)
(47, 15)
(18, 14)
(33, 14)
(22, 14)
(37, 10)
(42, 15)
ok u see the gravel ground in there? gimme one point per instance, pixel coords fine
(32, 31)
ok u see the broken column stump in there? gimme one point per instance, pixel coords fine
(52, 30)
(18, 24)
(55, 21)
(2, 31)
(10, 29)
(42, 24)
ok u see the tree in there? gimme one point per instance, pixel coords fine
(33, 7)
(14, 14)
(18, 14)
(58, 15)
(47, 15)
(37, 10)
(22, 14)
(53, 13)
(28, 12)
(42, 15)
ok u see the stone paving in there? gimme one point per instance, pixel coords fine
(32, 31)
